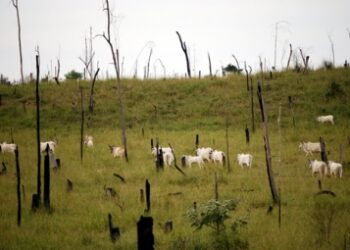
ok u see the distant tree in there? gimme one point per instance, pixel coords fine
(73, 75)
(232, 69)
(4, 80)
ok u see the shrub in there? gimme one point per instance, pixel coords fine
(73, 75)
(334, 90)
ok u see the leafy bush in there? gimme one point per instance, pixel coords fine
(73, 75)
(334, 90)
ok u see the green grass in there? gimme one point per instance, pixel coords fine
(184, 108)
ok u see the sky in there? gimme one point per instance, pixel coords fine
(219, 27)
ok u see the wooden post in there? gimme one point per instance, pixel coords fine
(37, 198)
(290, 104)
(18, 173)
(279, 210)
(145, 238)
(148, 197)
(267, 146)
(227, 148)
(216, 190)
(81, 126)
(247, 137)
(197, 140)
(47, 179)
(323, 151)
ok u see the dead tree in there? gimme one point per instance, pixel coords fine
(273, 189)
(210, 71)
(247, 136)
(290, 55)
(252, 98)
(15, 4)
(237, 63)
(115, 57)
(184, 49)
(175, 164)
(163, 67)
(305, 61)
(247, 75)
(332, 49)
(57, 72)
(37, 200)
(18, 174)
(91, 102)
(148, 197)
(148, 63)
(88, 57)
(81, 126)
(323, 151)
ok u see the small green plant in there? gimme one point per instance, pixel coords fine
(334, 90)
(211, 214)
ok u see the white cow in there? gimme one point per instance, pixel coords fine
(218, 156)
(164, 150)
(188, 160)
(117, 151)
(7, 147)
(310, 147)
(89, 141)
(325, 118)
(168, 158)
(245, 160)
(335, 169)
(43, 145)
(205, 153)
(318, 167)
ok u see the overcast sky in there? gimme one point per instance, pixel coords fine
(220, 27)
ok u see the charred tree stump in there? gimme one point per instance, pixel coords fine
(47, 179)
(168, 226)
(323, 151)
(247, 136)
(113, 231)
(210, 70)
(197, 141)
(142, 196)
(18, 173)
(148, 197)
(145, 238)
(272, 184)
(184, 49)
(69, 185)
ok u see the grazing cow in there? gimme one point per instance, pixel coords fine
(164, 150)
(88, 141)
(168, 158)
(188, 160)
(318, 167)
(205, 153)
(310, 147)
(335, 169)
(117, 151)
(245, 160)
(218, 156)
(325, 119)
(43, 145)
(7, 147)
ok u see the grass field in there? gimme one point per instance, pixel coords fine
(174, 111)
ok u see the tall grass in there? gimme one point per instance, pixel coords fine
(184, 108)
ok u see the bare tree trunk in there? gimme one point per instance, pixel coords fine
(15, 4)
(273, 189)
(332, 49)
(210, 71)
(57, 72)
(247, 75)
(81, 126)
(290, 55)
(91, 105)
(184, 49)
(38, 127)
(252, 99)
(18, 174)
(115, 57)
(148, 63)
